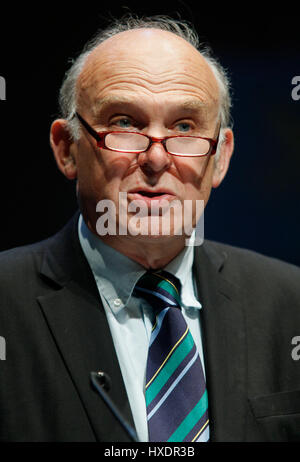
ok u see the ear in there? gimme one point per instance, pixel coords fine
(223, 160)
(63, 148)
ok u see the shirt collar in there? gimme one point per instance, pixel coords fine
(122, 273)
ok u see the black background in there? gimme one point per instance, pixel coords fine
(257, 206)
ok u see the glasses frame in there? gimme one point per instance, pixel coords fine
(100, 138)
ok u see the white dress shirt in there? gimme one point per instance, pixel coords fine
(131, 318)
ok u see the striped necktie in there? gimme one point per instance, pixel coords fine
(175, 390)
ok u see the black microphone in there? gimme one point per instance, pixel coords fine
(101, 381)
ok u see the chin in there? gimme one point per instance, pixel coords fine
(155, 229)
(160, 240)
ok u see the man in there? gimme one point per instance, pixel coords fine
(146, 122)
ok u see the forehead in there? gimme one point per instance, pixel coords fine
(146, 63)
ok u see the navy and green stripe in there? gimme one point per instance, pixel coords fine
(175, 390)
(172, 363)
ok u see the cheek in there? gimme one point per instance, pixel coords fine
(89, 178)
(196, 174)
(100, 173)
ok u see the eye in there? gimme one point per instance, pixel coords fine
(122, 122)
(183, 127)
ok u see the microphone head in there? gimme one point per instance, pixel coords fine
(102, 379)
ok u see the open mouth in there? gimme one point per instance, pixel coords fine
(150, 194)
(151, 197)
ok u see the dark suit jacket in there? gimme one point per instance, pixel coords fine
(56, 333)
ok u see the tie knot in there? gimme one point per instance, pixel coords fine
(161, 288)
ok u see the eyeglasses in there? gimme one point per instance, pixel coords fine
(135, 143)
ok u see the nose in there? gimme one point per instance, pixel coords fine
(155, 159)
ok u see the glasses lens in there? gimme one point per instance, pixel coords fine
(126, 142)
(187, 146)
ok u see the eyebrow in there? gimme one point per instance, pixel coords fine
(104, 103)
(193, 104)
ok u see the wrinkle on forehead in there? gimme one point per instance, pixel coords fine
(150, 60)
(114, 99)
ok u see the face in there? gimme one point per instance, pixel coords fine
(155, 83)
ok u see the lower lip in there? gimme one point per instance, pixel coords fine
(150, 200)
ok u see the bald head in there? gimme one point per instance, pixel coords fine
(153, 61)
(146, 42)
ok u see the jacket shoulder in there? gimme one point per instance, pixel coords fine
(247, 266)
(18, 259)
(19, 264)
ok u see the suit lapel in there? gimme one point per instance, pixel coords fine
(77, 320)
(224, 345)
